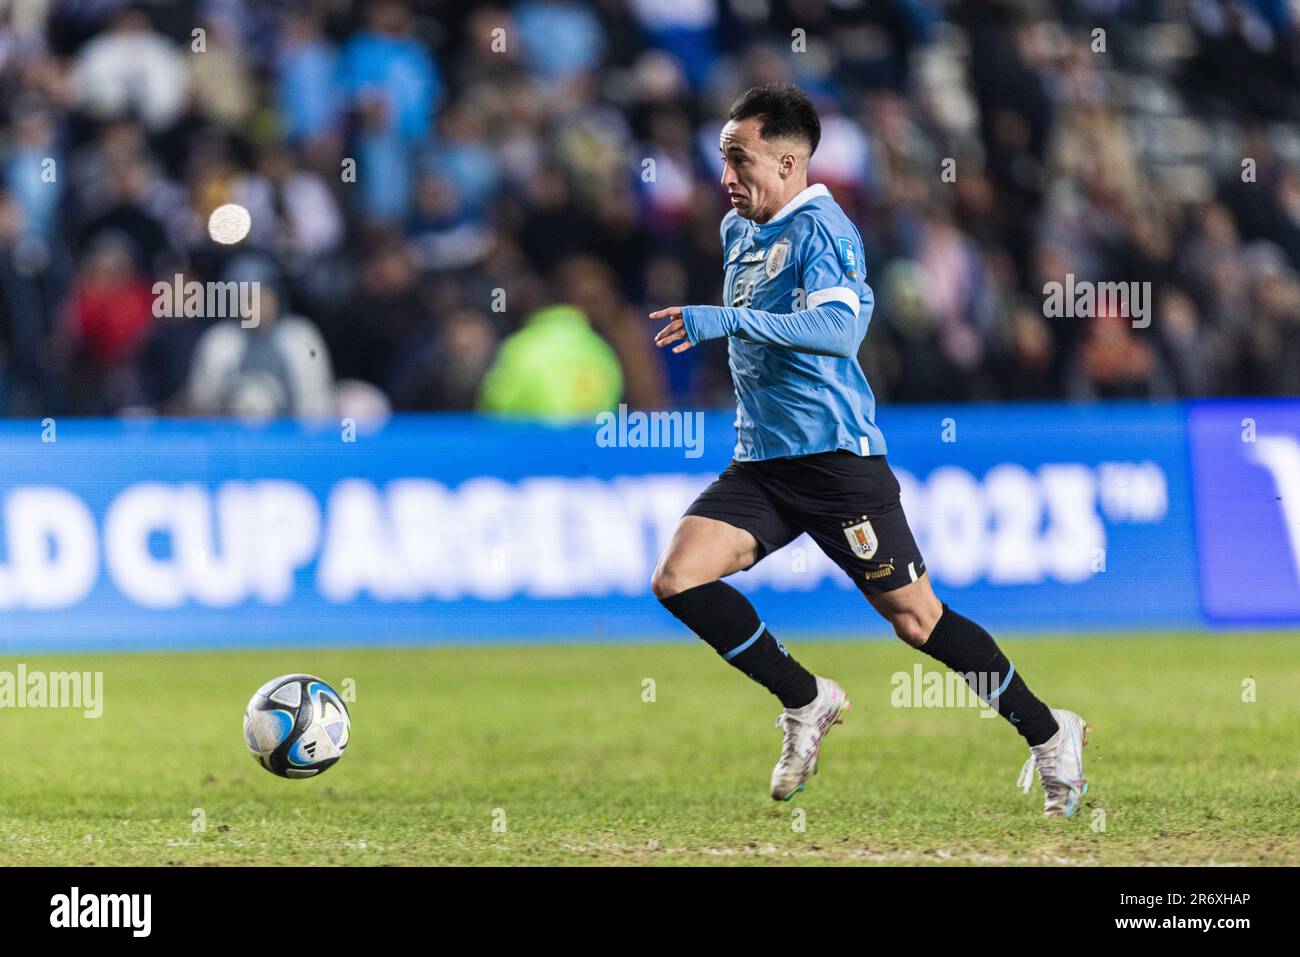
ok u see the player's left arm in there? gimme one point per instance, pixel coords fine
(828, 327)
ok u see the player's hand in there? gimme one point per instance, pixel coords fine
(675, 331)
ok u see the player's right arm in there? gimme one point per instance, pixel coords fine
(827, 266)
(828, 329)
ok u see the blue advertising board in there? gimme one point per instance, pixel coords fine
(179, 534)
(1246, 459)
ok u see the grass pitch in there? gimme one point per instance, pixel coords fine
(550, 755)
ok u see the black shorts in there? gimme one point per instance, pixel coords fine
(848, 504)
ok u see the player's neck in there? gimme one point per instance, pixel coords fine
(788, 194)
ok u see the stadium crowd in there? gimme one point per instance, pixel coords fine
(460, 205)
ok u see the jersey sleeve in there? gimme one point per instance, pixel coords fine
(830, 264)
(828, 325)
(825, 330)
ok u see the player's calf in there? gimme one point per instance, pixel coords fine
(965, 647)
(725, 619)
(920, 619)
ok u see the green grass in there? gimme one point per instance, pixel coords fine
(586, 772)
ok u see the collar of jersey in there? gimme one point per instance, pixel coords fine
(803, 196)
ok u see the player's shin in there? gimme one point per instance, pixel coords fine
(968, 649)
(725, 619)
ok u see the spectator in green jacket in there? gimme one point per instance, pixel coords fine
(555, 367)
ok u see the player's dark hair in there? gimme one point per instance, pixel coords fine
(784, 110)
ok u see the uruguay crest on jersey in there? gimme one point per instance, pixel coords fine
(777, 258)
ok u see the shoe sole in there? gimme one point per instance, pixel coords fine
(845, 705)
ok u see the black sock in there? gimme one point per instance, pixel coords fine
(725, 619)
(967, 648)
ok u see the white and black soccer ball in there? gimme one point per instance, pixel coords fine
(296, 726)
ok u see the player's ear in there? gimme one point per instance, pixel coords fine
(790, 163)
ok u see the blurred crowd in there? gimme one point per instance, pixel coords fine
(458, 205)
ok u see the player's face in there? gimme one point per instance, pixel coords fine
(752, 170)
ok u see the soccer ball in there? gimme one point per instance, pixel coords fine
(297, 726)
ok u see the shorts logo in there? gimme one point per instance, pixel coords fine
(884, 571)
(776, 259)
(862, 538)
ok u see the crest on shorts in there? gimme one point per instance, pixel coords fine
(862, 538)
(777, 258)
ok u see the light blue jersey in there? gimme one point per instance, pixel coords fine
(798, 308)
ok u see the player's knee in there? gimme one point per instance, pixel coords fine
(669, 580)
(909, 628)
(914, 625)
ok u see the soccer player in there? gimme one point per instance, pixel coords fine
(809, 457)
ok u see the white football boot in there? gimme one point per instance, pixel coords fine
(805, 728)
(1059, 760)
